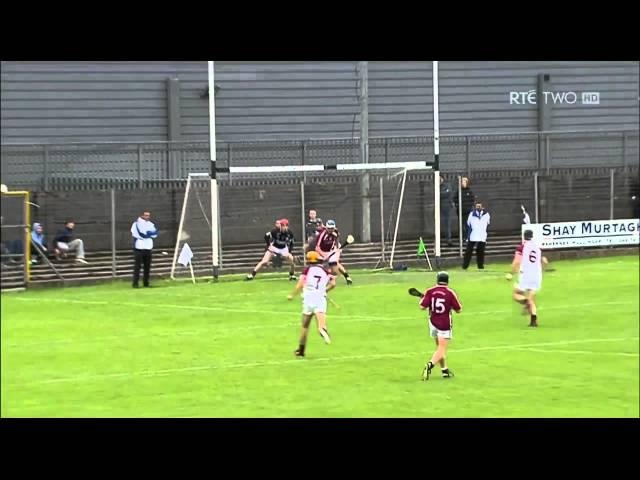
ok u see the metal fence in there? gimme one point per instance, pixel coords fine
(76, 166)
(248, 208)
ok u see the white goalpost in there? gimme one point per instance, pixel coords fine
(436, 163)
(215, 225)
(203, 218)
(436, 180)
(211, 210)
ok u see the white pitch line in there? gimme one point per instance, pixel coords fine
(154, 373)
(578, 352)
(231, 329)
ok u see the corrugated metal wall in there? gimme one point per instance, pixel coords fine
(284, 100)
(127, 101)
(91, 101)
(475, 96)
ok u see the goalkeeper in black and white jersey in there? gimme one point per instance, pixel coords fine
(280, 242)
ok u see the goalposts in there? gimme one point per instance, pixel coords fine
(213, 203)
(15, 239)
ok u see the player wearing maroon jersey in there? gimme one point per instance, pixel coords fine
(328, 246)
(440, 300)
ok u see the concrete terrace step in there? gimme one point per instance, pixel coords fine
(235, 259)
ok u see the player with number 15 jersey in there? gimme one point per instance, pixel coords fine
(440, 300)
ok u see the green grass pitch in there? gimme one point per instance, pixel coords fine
(226, 349)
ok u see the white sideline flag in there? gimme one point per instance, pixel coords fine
(185, 255)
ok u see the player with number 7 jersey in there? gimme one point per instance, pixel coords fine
(314, 282)
(440, 300)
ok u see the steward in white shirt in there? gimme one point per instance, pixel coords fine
(143, 231)
(478, 222)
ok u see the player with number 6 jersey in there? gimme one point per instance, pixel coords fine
(529, 263)
(314, 282)
(440, 300)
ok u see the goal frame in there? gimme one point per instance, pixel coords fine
(26, 216)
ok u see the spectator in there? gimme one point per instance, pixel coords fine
(446, 202)
(12, 252)
(468, 199)
(143, 231)
(478, 222)
(66, 242)
(37, 238)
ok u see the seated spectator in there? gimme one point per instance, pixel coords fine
(65, 242)
(37, 237)
(12, 252)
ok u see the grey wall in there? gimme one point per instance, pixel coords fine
(127, 101)
(284, 100)
(94, 101)
(91, 101)
(474, 96)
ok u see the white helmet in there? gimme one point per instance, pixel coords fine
(330, 224)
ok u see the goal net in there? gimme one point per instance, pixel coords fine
(193, 252)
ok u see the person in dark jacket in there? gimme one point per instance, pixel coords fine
(468, 202)
(280, 241)
(314, 223)
(65, 242)
(446, 203)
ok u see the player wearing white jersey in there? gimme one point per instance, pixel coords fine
(526, 219)
(529, 264)
(314, 282)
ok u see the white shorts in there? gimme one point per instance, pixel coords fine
(529, 282)
(314, 304)
(328, 257)
(279, 251)
(435, 333)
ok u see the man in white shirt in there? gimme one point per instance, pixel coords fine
(478, 222)
(143, 231)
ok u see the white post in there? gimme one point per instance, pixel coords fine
(536, 195)
(114, 270)
(193, 277)
(382, 215)
(303, 239)
(436, 156)
(214, 182)
(612, 194)
(395, 233)
(460, 219)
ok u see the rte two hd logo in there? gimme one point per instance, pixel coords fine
(591, 98)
